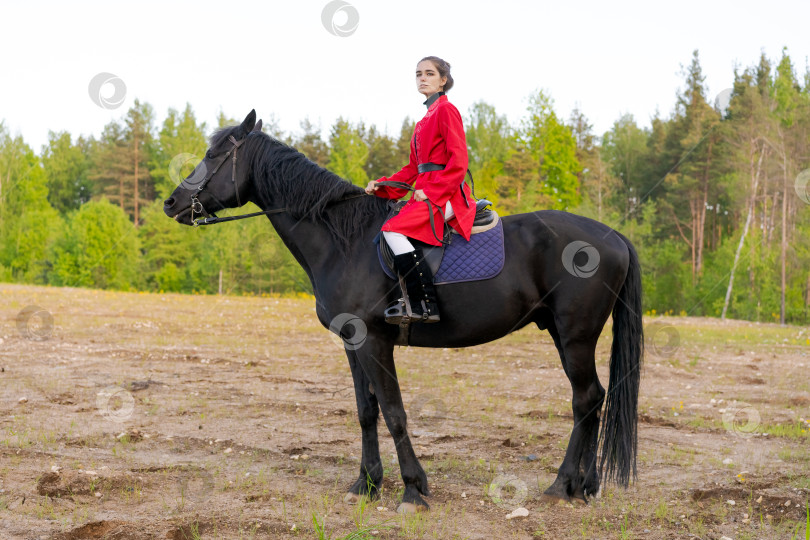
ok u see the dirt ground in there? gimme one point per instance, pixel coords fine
(134, 416)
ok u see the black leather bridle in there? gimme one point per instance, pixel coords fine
(196, 205)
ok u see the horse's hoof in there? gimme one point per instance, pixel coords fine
(547, 498)
(351, 498)
(593, 496)
(410, 508)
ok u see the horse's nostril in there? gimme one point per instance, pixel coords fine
(169, 202)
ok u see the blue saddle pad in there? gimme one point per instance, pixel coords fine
(480, 258)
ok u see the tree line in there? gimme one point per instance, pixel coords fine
(714, 195)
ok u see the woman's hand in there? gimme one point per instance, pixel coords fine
(419, 195)
(372, 187)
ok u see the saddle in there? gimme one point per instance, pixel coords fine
(485, 219)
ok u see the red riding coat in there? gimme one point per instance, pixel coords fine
(437, 138)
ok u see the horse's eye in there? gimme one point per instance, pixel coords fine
(209, 154)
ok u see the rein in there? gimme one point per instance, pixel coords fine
(213, 219)
(408, 187)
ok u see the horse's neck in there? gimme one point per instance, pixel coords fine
(309, 242)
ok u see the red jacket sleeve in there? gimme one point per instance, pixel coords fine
(407, 174)
(444, 183)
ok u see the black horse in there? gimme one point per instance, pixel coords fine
(565, 273)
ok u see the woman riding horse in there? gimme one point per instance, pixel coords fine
(435, 170)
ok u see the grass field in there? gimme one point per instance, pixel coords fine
(131, 416)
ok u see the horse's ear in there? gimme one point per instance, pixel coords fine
(250, 121)
(257, 127)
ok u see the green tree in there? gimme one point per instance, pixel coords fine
(181, 139)
(109, 164)
(28, 224)
(311, 144)
(66, 166)
(139, 138)
(552, 145)
(348, 152)
(517, 188)
(383, 155)
(489, 140)
(167, 248)
(625, 151)
(99, 249)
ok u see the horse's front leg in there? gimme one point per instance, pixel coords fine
(376, 358)
(368, 411)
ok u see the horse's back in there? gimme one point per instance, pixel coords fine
(551, 231)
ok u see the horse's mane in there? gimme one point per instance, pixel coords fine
(286, 177)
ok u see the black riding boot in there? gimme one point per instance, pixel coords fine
(418, 302)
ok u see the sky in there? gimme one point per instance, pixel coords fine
(356, 58)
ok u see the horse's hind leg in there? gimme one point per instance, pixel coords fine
(578, 477)
(368, 411)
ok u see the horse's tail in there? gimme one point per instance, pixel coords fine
(619, 422)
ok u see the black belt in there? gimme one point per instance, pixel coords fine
(428, 167)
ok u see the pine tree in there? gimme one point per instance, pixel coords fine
(139, 138)
(311, 145)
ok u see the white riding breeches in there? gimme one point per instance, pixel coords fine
(399, 242)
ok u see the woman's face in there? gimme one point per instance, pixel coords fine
(428, 81)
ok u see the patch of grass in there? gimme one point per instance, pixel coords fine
(792, 455)
(794, 430)
(799, 481)
(662, 512)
